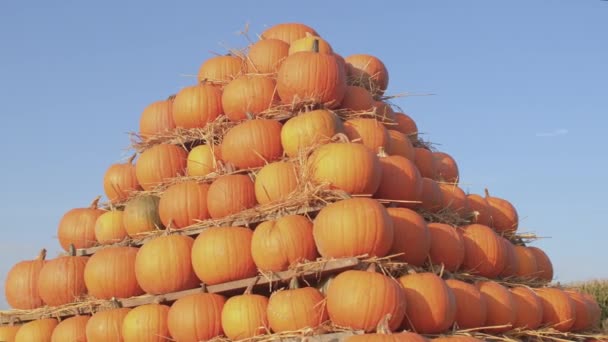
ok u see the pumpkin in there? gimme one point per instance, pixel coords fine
(501, 306)
(296, 308)
(559, 310)
(350, 167)
(431, 305)
(110, 273)
(447, 246)
(529, 308)
(447, 169)
(110, 228)
(106, 325)
(266, 56)
(21, 284)
(72, 329)
(276, 245)
(222, 254)
(141, 215)
(406, 125)
(454, 198)
(202, 160)
(360, 299)
(253, 143)
(182, 204)
(400, 181)
(61, 280)
(367, 71)
(120, 180)
(220, 69)
(309, 129)
(275, 182)
(146, 323)
(288, 32)
(157, 118)
(480, 208)
(312, 76)
(159, 163)
(248, 95)
(596, 311)
(484, 251)
(526, 262)
(244, 316)
(400, 145)
(411, 236)
(196, 317)
(308, 44)
(369, 132)
(384, 112)
(503, 214)
(511, 259)
(197, 105)
(39, 330)
(357, 99)
(8, 332)
(426, 163)
(353, 227)
(543, 263)
(77, 227)
(584, 311)
(431, 196)
(169, 256)
(230, 194)
(471, 306)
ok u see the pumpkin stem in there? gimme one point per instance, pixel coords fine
(383, 327)
(42, 254)
(114, 303)
(382, 152)
(372, 267)
(159, 299)
(204, 288)
(249, 116)
(132, 158)
(315, 45)
(171, 97)
(294, 283)
(95, 202)
(72, 250)
(249, 288)
(487, 192)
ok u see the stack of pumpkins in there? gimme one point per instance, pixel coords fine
(391, 178)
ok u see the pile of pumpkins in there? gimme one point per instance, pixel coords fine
(391, 178)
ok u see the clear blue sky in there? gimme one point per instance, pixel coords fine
(521, 99)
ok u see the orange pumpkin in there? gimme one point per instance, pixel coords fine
(8, 332)
(77, 227)
(426, 163)
(245, 316)
(230, 194)
(141, 215)
(146, 323)
(367, 71)
(511, 259)
(182, 204)
(120, 180)
(39, 330)
(503, 214)
(471, 306)
(61, 280)
(400, 181)
(106, 325)
(545, 267)
(596, 311)
(202, 160)
(431, 196)
(431, 305)
(559, 310)
(296, 308)
(406, 125)
(353, 227)
(21, 284)
(350, 167)
(526, 262)
(447, 169)
(223, 254)
(400, 145)
(357, 99)
(480, 208)
(72, 329)
(169, 256)
(447, 246)
(484, 251)
(454, 198)
(411, 236)
(253, 143)
(197, 105)
(110, 273)
(502, 307)
(196, 317)
(248, 95)
(584, 311)
(308, 44)
(369, 132)
(275, 182)
(312, 76)
(351, 304)
(220, 69)
(159, 163)
(529, 308)
(110, 228)
(387, 337)
(276, 245)
(288, 32)
(384, 112)
(157, 118)
(266, 56)
(309, 129)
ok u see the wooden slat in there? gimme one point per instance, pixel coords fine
(332, 337)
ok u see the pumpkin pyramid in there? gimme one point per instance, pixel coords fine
(283, 196)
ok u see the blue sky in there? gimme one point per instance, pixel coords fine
(520, 99)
